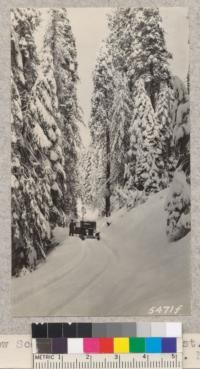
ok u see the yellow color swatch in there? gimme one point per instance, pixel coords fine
(121, 345)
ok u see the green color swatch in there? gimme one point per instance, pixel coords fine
(137, 344)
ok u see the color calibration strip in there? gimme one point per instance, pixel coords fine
(89, 330)
(16, 352)
(112, 345)
(107, 338)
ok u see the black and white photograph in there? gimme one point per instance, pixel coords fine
(100, 151)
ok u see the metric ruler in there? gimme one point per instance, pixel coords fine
(16, 353)
(99, 361)
(138, 345)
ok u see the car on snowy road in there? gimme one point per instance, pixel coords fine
(87, 229)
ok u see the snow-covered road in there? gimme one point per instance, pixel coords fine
(130, 270)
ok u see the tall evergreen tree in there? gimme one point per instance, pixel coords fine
(87, 170)
(100, 124)
(164, 115)
(121, 113)
(121, 37)
(150, 56)
(149, 174)
(24, 60)
(178, 200)
(30, 196)
(139, 47)
(60, 40)
(44, 122)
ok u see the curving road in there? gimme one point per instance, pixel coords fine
(131, 269)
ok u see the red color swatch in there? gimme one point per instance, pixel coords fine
(106, 345)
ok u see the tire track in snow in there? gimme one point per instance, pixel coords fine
(93, 279)
(113, 256)
(52, 281)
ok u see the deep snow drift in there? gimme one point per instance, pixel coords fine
(130, 270)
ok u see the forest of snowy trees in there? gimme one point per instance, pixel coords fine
(45, 135)
(139, 128)
(139, 122)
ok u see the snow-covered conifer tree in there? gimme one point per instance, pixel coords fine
(60, 40)
(150, 55)
(44, 118)
(164, 115)
(100, 126)
(178, 199)
(30, 192)
(121, 113)
(121, 37)
(139, 47)
(24, 57)
(85, 176)
(17, 200)
(149, 174)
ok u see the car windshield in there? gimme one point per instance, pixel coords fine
(88, 224)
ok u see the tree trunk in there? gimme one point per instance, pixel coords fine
(107, 197)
